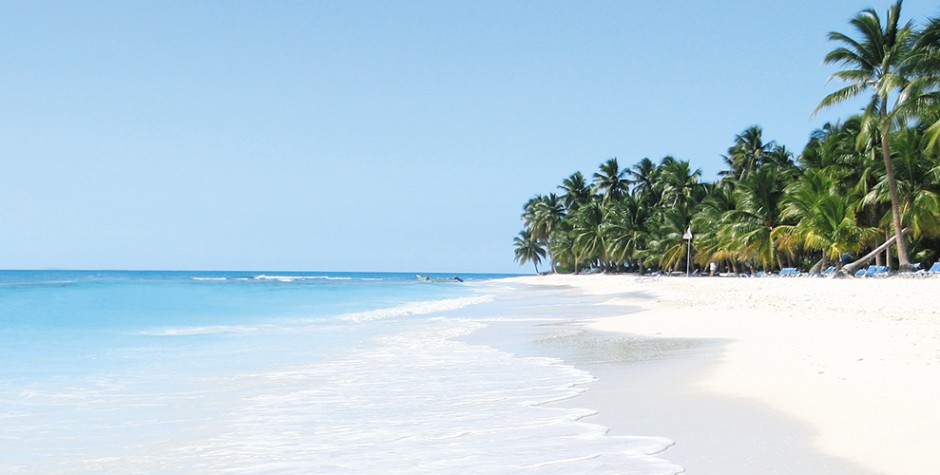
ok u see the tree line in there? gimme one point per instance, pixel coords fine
(868, 183)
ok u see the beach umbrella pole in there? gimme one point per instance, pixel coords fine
(688, 253)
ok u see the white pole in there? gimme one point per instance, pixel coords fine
(688, 258)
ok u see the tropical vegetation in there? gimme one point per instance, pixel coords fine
(869, 182)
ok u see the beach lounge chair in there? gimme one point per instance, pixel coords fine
(880, 271)
(864, 272)
(934, 269)
(874, 271)
(789, 272)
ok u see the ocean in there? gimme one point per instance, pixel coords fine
(287, 372)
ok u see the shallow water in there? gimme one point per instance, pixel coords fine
(129, 372)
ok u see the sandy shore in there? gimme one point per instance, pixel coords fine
(848, 369)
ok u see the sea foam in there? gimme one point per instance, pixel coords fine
(160, 373)
(295, 278)
(419, 401)
(417, 308)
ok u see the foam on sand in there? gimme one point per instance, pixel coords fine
(417, 308)
(419, 401)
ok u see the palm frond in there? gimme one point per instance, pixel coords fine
(841, 95)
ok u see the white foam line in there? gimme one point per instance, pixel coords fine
(292, 278)
(417, 308)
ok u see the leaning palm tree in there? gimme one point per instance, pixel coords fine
(877, 62)
(528, 250)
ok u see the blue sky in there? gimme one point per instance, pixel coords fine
(369, 136)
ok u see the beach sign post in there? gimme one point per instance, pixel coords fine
(688, 258)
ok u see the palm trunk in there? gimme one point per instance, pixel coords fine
(851, 268)
(903, 259)
(552, 263)
(819, 265)
(887, 257)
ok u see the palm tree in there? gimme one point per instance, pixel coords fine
(917, 183)
(921, 97)
(666, 236)
(878, 62)
(624, 231)
(588, 234)
(834, 144)
(611, 181)
(747, 153)
(708, 223)
(528, 250)
(642, 176)
(542, 216)
(680, 183)
(825, 215)
(577, 191)
(757, 213)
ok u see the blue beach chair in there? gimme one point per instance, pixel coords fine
(865, 272)
(934, 269)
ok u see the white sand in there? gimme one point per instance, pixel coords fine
(856, 360)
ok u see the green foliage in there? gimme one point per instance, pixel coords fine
(853, 183)
(881, 61)
(528, 250)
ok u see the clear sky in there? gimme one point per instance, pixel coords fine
(369, 136)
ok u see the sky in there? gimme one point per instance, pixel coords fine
(370, 136)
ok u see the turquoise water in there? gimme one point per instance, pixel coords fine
(261, 372)
(56, 323)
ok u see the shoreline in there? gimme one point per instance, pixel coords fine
(801, 375)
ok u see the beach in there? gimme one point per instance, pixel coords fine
(766, 375)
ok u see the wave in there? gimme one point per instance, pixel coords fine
(416, 308)
(210, 278)
(438, 404)
(44, 283)
(293, 278)
(208, 330)
(408, 309)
